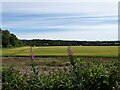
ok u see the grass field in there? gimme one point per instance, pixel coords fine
(107, 51)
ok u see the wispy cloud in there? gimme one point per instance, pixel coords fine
(65, 18)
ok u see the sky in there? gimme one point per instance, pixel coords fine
(65, 20)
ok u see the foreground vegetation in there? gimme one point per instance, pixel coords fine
(81, 75)
(107, 51)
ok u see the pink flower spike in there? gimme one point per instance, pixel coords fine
(33, 57)
(70, 52)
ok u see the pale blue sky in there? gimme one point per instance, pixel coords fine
(61, 20)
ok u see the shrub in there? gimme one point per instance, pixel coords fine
(12, 79)
(82, 76)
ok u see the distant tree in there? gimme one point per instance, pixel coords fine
(14, 40)
(5, 38)
(9, 40)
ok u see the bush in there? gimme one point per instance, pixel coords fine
(82, 76)
(12, 80)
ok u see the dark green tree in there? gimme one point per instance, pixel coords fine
(9, 40)
(5, 38)
(14, 40)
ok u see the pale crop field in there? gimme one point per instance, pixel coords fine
(108, 51)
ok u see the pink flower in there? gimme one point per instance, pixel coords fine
(70, 52)
(33, 57)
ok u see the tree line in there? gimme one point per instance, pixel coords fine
(11, 40)
(38, 42)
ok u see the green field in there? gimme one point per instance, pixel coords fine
(108, 51)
